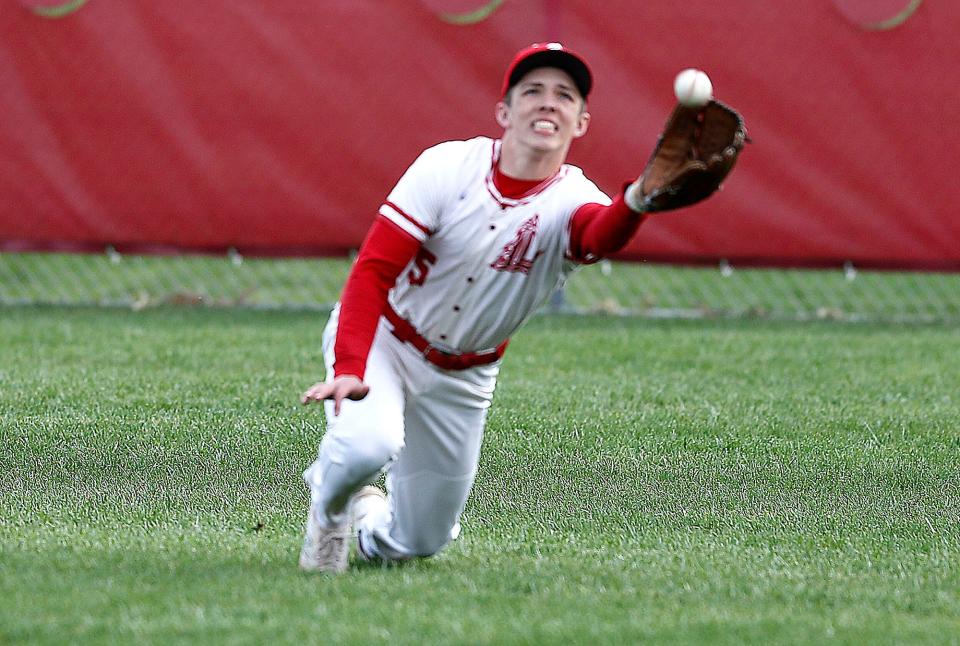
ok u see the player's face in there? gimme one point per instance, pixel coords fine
(545, 110)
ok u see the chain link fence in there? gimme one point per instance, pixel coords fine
(633, 289)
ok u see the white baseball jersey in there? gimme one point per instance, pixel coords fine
(487, 262)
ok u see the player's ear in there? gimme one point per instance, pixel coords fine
(502, 114)
(583, 122)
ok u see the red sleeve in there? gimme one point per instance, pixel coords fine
(597, 231)
(384, 253)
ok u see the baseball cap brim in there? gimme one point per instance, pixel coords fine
(549, 55)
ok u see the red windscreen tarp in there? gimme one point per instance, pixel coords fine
(278, 127)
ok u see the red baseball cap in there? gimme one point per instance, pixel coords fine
(549, 55)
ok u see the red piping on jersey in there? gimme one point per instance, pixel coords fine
(408, 217)
(405, 332)
(507, 202)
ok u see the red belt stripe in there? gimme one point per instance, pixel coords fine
(404, 331)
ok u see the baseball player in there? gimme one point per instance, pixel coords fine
(473, 238)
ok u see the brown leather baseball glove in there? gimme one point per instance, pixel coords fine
(696, 151)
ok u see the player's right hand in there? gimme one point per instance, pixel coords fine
(342, 387)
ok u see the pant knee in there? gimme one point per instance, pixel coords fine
(344, 465)
(410, 545)
(427, 538)
(429, 545)
(361, 448)
(371, 451)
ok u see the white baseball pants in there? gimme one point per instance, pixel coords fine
(424, 426)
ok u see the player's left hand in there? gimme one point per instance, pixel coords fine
(342, 387)
(696, 152)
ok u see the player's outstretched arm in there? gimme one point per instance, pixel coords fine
(342, 387)
(597, 231)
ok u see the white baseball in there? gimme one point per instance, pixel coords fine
(693, 88)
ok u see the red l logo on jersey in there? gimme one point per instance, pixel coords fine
(513, 257)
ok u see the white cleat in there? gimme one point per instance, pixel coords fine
(324, 550)
(364, 502)
(327, 550)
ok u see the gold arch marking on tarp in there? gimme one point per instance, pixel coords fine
(472, 17)
(895, 21)
(60, 10)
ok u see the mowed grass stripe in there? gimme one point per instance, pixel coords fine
(698, 481)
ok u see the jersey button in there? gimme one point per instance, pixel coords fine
(469, 279)
(456, 308)
(443, 337)
(492, 227)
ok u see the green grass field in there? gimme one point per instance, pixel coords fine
(642, 481)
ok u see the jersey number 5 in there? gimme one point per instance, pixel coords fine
(421, 267)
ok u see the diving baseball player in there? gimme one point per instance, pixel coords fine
(473, 238)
